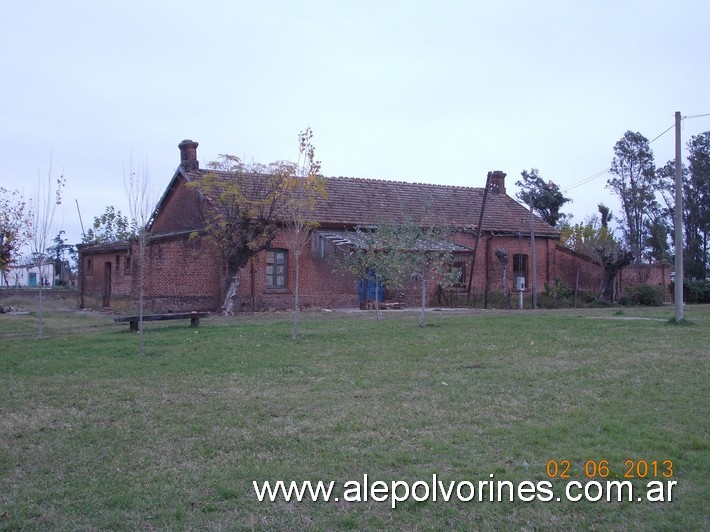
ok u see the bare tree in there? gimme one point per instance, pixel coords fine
(141, 204)
(303, 187)
(46, 199)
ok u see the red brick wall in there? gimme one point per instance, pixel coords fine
(488, 272)
(569, 263)
(181, 273)
(92, 282)
(180, 210)
(658, 274)
(321, 283)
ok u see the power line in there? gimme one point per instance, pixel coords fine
(606, 170)
(587, 179)
(695, 116)
(659, 136)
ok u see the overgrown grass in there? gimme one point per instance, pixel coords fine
(94, 436)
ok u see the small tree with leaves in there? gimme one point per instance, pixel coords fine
(110, 226)
(15, 227)
(421, 253)
(303, 186)
(370, 256)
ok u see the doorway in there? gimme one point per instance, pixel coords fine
(369, 290)
(107, 285)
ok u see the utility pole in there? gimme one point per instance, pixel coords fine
(478, 237)
(678, 223)
(80, 220)
(533, 284)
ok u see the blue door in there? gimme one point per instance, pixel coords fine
(370, 290)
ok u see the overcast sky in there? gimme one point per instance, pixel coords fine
(425, 91)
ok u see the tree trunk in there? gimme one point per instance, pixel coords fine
(230, 294)
(40, 323)
(294, 336)
(612, 265)
(421, 313)
(377, 297)
(141, 289)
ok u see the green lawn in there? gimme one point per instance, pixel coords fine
(95, 436)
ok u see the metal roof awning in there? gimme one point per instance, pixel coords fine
(363, 239)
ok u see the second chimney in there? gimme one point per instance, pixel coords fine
(496, 182)
(188, 155)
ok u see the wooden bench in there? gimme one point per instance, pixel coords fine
(194, 318)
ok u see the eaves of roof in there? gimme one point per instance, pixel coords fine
(102, 247)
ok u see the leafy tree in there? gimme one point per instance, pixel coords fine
(546, 197)
(112, 225)
(421, 253)
(665, 187)
(697, 210)
(399, 254)
(14, 226)
(696, 203)
(371, 257)
(59, 252)
(605, 215)
(243, 203)
(595, 240)
(658, 232)
(634, 182)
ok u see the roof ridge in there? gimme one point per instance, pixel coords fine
(378, 180)
(347, 178)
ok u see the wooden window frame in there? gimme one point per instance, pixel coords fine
(276, 269)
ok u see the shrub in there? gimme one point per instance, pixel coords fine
(646, 295)
(556, 295)
(696, 291)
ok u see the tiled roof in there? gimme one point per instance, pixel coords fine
(357, 201)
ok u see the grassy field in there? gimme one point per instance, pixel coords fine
(94, 436)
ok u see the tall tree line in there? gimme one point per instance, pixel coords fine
(647, 196)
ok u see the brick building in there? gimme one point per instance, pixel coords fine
(184, 270)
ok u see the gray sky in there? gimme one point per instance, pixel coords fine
(426, 91)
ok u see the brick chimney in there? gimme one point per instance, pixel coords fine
(496, 182)
(188, 155)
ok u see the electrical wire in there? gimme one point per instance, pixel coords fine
(608, 168)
